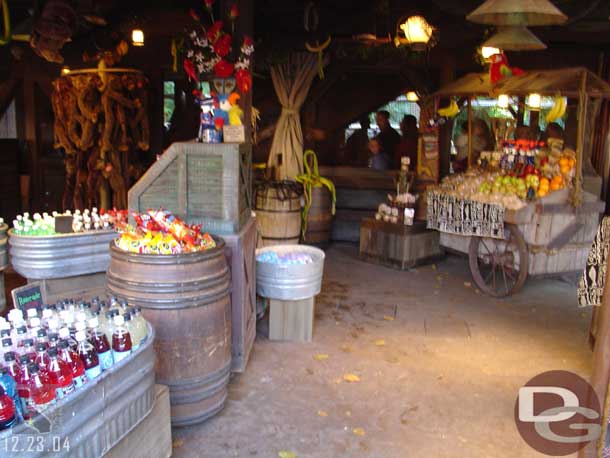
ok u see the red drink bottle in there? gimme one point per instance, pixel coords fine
(23, 386)
(28, 349)
(121, 340)
(41, 392)
(73, 360)
(8, 410)
(100, 343)
(60, 374)
(88, 356)
(42, 358)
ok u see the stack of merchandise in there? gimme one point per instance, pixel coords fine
(159, 232)
(50, 353)
(85, 221)
(400, 208)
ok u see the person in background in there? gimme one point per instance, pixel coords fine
(378, 160)
(553, 130)
(387, 137)
(409, 142)
(481, 141)
(357, 150)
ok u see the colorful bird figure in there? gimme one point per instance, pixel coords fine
(499, 68)
(235, 112)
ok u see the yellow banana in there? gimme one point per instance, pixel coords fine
(319, 47)
(450, 111)
(558, 110)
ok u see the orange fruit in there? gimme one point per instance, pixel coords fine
(544, 182)
(572, 162)
(564, 161)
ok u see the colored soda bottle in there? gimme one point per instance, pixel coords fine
(10, 388)
(8, 410)
(130, 324)
(42, 358)
(42, 337)
(141, 325)
(60, 374)
(28, 349)
(110, 323)
(88, 356)
(41, 392)
(22, 334)
(22, 386)
(64, 334)
(7, 346)
(73, 360)
(121, 340)
(53, 339)
(101, 345)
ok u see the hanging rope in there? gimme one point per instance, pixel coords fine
(312, 179)
(6, 19)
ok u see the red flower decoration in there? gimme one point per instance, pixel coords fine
(222, 47)
(223, 69)
(189, 69)
(209, 3)
(215, 31)
(243, 78)
(219, 123)
(234, 12)
(193, 14)
(248, 41)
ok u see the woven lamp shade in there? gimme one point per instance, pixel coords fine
(517, 12)
(515, 39)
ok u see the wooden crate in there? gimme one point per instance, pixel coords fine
(291, 320)
(241, 256)
(396, 245)
(568, 259)
(207, 184)
(151, 438)
(79, 287)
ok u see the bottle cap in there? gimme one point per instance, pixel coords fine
(93, 323)
(33, 368)
(80, 336)
(35, 322)
(52, 352)
(41, 333)
(41, 347)
(53, 337)
(32, 313)
(47, 313)
(127, 316)
(53, 323)
(80, 326)
(22, 330)
(119, 320)
(28, 342)
(64, 333)
(81, 316)
(5, 333)
(3, 371)
(63, 344)
(24, 359)
(9, 356)
(7, 342)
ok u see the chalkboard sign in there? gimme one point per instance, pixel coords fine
(28, 296)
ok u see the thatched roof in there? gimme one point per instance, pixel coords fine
(545, 82)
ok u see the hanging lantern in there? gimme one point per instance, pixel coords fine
(514, 38)
(65, 70)
(534, 101)
(137, 37)
(488, 51)
(517, 12)
(412, 96)
(503, 101)
(417, 32)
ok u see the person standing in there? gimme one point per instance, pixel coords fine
(378, 160)
(387, 137)
(357, 151)
(409, 142)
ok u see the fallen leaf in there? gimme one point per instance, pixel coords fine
(338, 380)
(348, 413)
(433, 266)
(351, 378)
(439, 278)
(177, 443)
(287, 454)
(322, 413)
(320, 357)
(346, 348)
(380, 342)
(359, 431)
(388, 318)
(467, 284)
(309, 371)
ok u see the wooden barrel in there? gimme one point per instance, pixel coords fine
(319, 218)
(186, 299)
(278, 212)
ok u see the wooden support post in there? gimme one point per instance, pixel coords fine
(291, 320)
(583, 100)
(469, 131)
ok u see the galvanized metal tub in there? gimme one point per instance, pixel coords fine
(187, 299)
(290, 282)
(60, 256)
(90, 422)
(3, 247)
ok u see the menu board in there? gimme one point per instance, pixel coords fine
(28, 296)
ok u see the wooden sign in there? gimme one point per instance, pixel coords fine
(28, 296)
(430, 143)
(234, 134)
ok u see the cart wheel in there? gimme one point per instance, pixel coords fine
(499, 267)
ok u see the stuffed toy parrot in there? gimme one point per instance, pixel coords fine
(499, 68)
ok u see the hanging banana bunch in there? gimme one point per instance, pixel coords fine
(310, 23)
(558, 110)
(450, 111)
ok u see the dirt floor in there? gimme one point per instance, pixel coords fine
(439, 367)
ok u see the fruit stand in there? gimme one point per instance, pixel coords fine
(519, 213)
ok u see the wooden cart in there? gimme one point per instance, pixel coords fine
(548, 237)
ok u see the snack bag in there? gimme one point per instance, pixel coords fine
(174, 226)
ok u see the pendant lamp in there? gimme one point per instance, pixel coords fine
(517, 12)
(513, 38)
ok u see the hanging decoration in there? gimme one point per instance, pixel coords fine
(515, 38)
(517, 12)
(310, 23)
(499, 68)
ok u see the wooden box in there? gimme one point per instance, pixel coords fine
(202, 183)
(241, 256)
(398, 246)
(291, 321)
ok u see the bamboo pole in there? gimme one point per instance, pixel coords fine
(469, 131)
(84, 71)
(583, 100)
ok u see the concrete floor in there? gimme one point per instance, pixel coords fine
(443, 385)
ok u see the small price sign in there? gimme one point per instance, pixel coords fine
(28, 296)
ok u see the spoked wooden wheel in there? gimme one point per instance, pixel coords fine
(499, 267)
